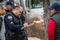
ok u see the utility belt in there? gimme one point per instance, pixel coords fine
(14, 33)
(11, 35)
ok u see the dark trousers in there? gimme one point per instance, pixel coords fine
(16, 36)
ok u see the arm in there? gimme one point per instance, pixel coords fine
(11, 24)
(51, 29)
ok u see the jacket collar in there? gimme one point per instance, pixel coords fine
(56, 13)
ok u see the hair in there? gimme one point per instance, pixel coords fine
(15, 7)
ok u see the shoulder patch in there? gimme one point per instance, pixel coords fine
(10, 17)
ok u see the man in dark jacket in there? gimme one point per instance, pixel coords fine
(14, 24)
(54, 22)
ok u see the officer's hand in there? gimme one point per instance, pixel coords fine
(25, 26)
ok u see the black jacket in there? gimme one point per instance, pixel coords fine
(13, 23)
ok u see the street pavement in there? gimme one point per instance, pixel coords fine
(33, 38)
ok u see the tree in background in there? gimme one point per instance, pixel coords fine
(46, 3)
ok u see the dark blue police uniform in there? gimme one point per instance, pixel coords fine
(13, 25)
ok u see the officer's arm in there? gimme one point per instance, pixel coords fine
(10, 23)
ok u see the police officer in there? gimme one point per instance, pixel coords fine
(14, 24)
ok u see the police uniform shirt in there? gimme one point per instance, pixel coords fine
(13, 23)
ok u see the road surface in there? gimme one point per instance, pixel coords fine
(33, 38)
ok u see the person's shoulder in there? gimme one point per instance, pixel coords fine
(51, 20)
(8, 15)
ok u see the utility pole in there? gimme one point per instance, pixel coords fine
(23, 3)
(46, 3)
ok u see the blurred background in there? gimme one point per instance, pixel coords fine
(35, 10)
